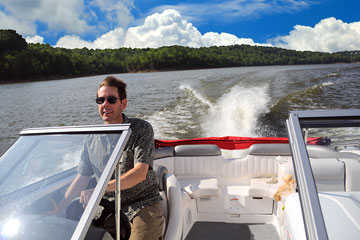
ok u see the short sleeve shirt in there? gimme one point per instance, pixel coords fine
(139, 149)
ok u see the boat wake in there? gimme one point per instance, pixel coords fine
(195, 114)
(335, 74)
(192, 93)
(308, 98)
(236, 112)
(181, 118)
(297, 99)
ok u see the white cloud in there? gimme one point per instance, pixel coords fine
(21, 26)
(76, 18)
(163, 29)
(112, 39)
(329, 35)
(224, 39)
(230, 10)
(117, 12)
(65, 16)
(160, 29)
(35, 39)
(73, 41)
(70, 16)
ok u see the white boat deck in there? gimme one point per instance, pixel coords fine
(233, 198)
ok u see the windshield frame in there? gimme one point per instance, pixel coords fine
(90, 211)
(297, 122)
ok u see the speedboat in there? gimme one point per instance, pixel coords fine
(305, 186)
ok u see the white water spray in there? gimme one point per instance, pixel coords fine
(196, 95)
(233, 114)
(236, 112)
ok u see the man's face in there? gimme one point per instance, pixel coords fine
(111, 113)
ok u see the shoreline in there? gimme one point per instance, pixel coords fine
(55, 77)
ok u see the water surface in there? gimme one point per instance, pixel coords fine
(248, 101)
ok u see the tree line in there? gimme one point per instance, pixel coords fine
(22, 61)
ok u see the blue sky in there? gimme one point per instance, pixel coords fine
(260, 25)
(315, 25)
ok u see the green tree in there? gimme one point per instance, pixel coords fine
(10, 40)
(19, 60)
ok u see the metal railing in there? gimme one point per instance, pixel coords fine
(298, 120)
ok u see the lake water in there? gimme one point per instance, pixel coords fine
(248, 101)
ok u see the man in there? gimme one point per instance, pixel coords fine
(139, 190)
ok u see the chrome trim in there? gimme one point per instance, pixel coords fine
(309, 200)
(90, 210)
(298, 120)
(329, 118)
(117, 201)
(75, 129)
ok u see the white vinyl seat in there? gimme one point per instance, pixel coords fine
(161, 173)
(170, 193)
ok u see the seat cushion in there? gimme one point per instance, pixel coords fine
(263, 187)
(203, 188)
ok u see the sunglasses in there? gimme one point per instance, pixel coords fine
(110, 99)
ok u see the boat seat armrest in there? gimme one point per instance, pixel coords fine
(263, 187)
(203, 188)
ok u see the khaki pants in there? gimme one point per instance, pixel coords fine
(148, 224)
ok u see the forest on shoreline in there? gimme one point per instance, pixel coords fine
(20, 61)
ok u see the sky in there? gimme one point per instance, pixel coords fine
(304, 25)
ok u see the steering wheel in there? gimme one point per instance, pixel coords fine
(75, 209)
(108, 212)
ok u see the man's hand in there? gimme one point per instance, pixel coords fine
(85, 196)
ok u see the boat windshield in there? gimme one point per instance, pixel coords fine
(330, 200)
(38, 168)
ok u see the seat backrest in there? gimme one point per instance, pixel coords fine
(198, 160)
(252, 166)
(161, 173)
(329, 173)
(163, 152)
(170, 192)
(174, 222)
(165, 156)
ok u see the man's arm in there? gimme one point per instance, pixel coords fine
(79, 184)
(131, 178)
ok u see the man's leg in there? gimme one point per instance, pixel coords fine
(148, 224)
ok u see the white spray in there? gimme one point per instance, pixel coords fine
(236, 112)
(233, 114)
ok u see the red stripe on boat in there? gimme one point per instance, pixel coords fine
(229, 142)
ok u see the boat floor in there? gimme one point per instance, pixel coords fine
(220, 230)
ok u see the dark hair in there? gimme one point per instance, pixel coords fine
(112, 81)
